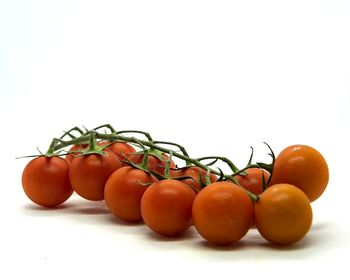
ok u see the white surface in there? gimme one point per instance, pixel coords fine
(215, 76)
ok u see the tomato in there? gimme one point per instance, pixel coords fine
(124, 190)
(304, 167)
(222, 213)
(166, 207)
(154, 163)
(45, 181)
(122, 149)
(283, 214)
(77, 148)
(196, 173)
(253, 181)
(89, 173)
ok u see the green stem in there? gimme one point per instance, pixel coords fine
(91, 137)
(146, 134)
(70, 134)
(92, 142)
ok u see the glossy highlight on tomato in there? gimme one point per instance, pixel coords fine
(45, 181)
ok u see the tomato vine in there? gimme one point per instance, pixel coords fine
(149, 147)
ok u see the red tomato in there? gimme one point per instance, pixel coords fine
(196, 173)
(253, 181)
(166, 207)
(122, 149)
(222, 213)
(124, 190)
(45, 181)
(77, 148)
(154, 163)
(89, 173)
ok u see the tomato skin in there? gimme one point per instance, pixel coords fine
(253, 180)
(154, 164)
(124, 190)
(196, 173)
(166, 207)
(122, 149)
(283, 214)
(222, 213)
(76, 147)
(89, 173)
(304, 167)
(45, 181)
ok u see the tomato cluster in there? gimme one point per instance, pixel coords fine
(139, 186)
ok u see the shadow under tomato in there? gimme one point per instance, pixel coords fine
(203, 244)
(36, 207)
(253, 240)
(90, 210)
(114, 220)
(303, 244)
(187, 235)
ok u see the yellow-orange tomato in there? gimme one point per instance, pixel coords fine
(283, 214)
(124, 190)
(166, 207)
(222, 213)
(303, 167)
(253, 180)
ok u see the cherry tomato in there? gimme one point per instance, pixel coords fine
(89, 173)
(304, 167)
(124, 190)
(45, 181)
(253, 180)
(196, 173)
(222, 213)
(122, 149)
(154, 163)
(166, 207)
(77, 148)
(283, 214)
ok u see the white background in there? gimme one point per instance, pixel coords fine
(215, 76)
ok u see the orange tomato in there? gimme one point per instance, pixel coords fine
(166, 207)
(253, 180)
(124, 190)
(45, 181)
(88, 173)
(222, 213)
(154, 163)
(303, 167)
(283, 214)
(196, 173)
